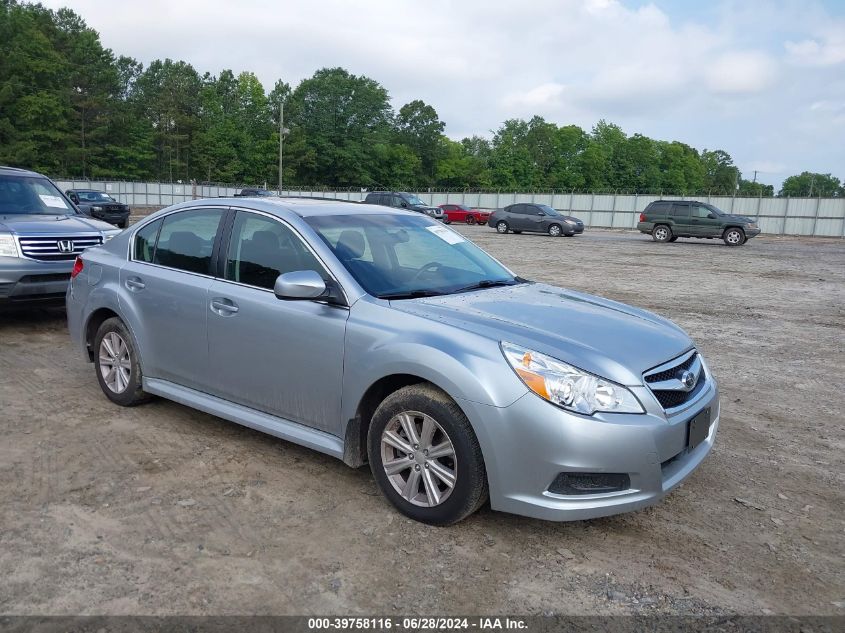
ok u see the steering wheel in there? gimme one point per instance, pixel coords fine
(429, 267)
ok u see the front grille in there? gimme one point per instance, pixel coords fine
(114, 208)
(56, 248)
(665, 380)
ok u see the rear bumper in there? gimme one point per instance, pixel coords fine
(24, 280)
(528, 444)
(645, 227)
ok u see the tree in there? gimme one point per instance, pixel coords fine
(419, 128)
(812, 184)
(720, 173)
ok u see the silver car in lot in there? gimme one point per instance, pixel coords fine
(381, 336)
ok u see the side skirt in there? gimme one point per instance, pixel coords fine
(272, 425)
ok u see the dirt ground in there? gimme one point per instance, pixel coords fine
(163, 510)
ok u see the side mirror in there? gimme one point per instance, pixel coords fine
(712, 216)
(404, 205)
(541, 213)
(299, 285)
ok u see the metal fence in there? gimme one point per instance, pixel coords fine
(776, 216)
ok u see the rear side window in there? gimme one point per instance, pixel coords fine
(680, 210)
(659, 207)
(186, 240)
(145, 242)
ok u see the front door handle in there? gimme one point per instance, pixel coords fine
(223, 306)
(134, 284)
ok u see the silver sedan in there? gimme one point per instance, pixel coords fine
(381, 336)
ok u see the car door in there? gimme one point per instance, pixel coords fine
(284, 358)
(680, 218)
(517, 217)
(701, 222)
(164, 292)
(535, 218)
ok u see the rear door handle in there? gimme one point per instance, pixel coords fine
(134, 284)
(223, 306)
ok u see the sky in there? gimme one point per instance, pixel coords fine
(763, 80)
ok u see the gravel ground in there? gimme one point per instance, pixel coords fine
(164, 510)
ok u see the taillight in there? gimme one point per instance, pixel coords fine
(77, 267)
(642, 217)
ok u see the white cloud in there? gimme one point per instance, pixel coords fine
(711, 78)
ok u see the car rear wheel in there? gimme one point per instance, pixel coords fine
(116, 363)
(661, 233)
(502, 226)
(734, 237)
(555, 230)
(425, 457)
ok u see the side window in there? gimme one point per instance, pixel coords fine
(186, 240)
(680, 210)
(262, 248)
(521, 209)
(145, 242)
(398, 201)
(700, 212)
(531, 209)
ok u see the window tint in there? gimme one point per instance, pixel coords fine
(186, 240)
(145, 241)
(518, 208)
(659, 207)
(680, 210)
(262, 248)
(700, 212)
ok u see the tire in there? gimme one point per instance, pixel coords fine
(555, 230)
(125, 389)
(517, 232)
(123, 225)
(417, 407)
(661, 233)
(674, 238)
(470, 219)
(734, 237)
(502, 227)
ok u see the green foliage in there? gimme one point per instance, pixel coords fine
(69, 107)
(810, 184)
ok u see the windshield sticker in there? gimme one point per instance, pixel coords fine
(53, 201)
(448, 236)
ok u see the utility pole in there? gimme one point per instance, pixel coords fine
(283, 131)
(755, 176)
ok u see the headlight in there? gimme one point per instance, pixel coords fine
(96, 208)
(752, 225)
(107, 235)
(568, 386)
(8, 247)
(570, 221)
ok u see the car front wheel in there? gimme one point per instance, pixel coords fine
(502, 226)
(555, 230)
(470, 219)
(734, 237)
(425, 457)
(116, 363)
(661, 233)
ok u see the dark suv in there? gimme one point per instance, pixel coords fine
(100, 205)
(254, 193)
(667, 220)
(538, 218)
(405, 200)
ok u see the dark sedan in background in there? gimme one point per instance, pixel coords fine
(100, 206)
(534, 218)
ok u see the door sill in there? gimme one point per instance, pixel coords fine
(264, 422)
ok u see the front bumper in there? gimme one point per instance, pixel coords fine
(749, 232)
(24, 280)
(527, 444)
(112, 217)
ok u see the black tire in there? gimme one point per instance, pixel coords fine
(470, 219)
(517, 232)
(661, 233)
(502, 227)
(132, 394)
(734, 236)
(470, 489)
(674, 238)
(123, 225)
(555, 230)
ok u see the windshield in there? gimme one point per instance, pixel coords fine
(548, 210)
(413, 200)
(400, 257)
(715, 210)
(94, 196)
(20, 195)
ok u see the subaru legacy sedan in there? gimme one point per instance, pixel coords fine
(380, 336)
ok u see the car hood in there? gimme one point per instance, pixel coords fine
(604, 337)
(52, 224)
(736, 218)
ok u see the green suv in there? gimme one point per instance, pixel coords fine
(667, 220)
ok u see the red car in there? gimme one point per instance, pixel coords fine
(462, 213)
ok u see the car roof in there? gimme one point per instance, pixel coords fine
(88, 190)
(302, 207)
(17, 171)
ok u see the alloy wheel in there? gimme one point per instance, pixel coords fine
(115, 363)
(554, 230)
(502, 227)
(733, 237)
(661, 233)
(419, 459)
